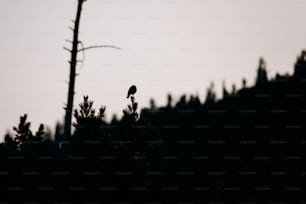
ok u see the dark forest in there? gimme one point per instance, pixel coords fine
(248, 147)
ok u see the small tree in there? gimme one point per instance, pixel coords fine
(211, 95)
(261, 78)
(24, 133)
(87, 122)
(130, 114)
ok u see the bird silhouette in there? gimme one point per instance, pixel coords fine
(132, 91)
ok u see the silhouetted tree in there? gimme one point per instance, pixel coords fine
(234, 90)
(9, 142)
(225, 92)
(8, 138)
(59, 131)
(169, 100)
(244, 83)
(73, 63)
(261, 78)
(152, 104)
(24, 133)
(211, 95)
(300, 66)
(88, 124)
(114, 120)
(182, 103)
(130, 114)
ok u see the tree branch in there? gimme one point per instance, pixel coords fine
(98, 46)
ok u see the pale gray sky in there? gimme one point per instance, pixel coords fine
(176, 46)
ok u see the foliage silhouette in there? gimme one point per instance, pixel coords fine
(130, 114)
(87, 123)
(24, 134)
(261, 73)
(225, 150)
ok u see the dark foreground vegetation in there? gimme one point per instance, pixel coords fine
(247, 147)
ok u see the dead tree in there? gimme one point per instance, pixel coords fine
(73, 63)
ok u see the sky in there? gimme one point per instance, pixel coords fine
(167, 46)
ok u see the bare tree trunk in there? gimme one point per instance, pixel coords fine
(73, 63)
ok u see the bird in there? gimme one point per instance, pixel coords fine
(132, 91)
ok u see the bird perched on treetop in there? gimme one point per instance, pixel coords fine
(132, 91)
